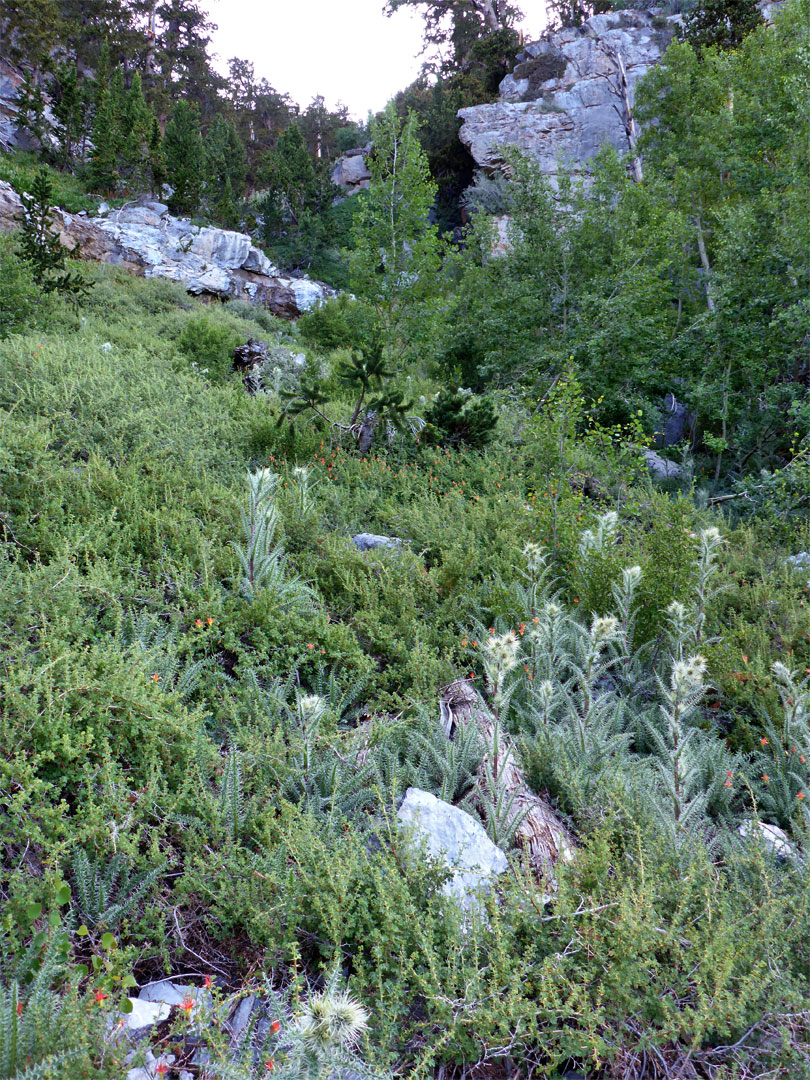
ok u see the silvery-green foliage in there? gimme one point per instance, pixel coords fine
(706, 569)
(343, 699)
(30, 1028)
(301, 493)
(105, 890)
(154, 643)
(488, 194)
(603, 536)
(784, 754)
(316, 1037)
(678, 745)
(497, 805)
(282, 369)
(447, 767)
(232, 809)
(324, 781)
(261, 556)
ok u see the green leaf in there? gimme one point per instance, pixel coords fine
(63, 896)
(107, 941)
(128, 980)
(125, 1006)
(33, 911)
(82, 931)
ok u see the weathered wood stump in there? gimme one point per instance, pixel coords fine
(250, 358)
(540, 833)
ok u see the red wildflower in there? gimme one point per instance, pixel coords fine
(274, 1027)
(188, 1006)
(100, 996)
(208, 982)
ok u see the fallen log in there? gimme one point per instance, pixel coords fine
(540, 832)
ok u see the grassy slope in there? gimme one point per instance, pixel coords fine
(131, 662)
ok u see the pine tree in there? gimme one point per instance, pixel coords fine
(137, 128)
(292, 183)
(41, 247)
(183, 148)
(721, 23)
(156, 159)
(68, 107)
(107, 118)
(225, 170)
(30, 114)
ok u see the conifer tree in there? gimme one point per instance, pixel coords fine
(225, 170)
(183, 148)
(30, 114)
(156, 158)
(68, 107)
(721, 23)
(137, 127)
(294, 189)
(41, 247)
(106, 126)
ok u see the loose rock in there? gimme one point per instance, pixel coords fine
(456, 837)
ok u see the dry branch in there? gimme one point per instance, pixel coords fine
(541, 833)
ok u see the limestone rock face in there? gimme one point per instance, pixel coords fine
(146, 239)
(458, 839)
(558, 104)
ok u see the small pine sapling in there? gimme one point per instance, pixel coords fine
(41, 247)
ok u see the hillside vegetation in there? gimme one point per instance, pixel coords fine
(213, 698)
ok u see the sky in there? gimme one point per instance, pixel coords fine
(346, 50)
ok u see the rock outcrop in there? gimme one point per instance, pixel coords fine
(564, 101)
(146, 239)
(351, 172)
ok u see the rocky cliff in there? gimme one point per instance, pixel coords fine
(565, 99)
(146, 239)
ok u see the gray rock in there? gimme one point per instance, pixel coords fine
(351, 172)
(558, 104)
(144, 1072)
(677, 423)
(171, 993)
(454, 836)
(206, 261)
(370, 541)
(771, 836)
(145, 1014)
(799, 561)
(167, 992)
(660, 468)
(238, 1020)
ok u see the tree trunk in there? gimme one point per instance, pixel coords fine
(704, 262)
(622, 91)
(541, 833)
(488, 9)
(367, 429)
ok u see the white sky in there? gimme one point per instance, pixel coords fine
(345, 50)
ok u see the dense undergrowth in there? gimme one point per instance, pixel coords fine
(211, 702)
